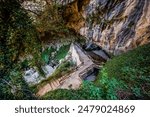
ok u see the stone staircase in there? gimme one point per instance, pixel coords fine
(50, 86)
(73, 79)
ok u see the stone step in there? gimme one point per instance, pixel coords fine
(44, 90)
(49, 88)
(56, 84)
(61, 79)
(52, 85)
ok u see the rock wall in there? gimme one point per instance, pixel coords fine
(75, 56)
(115, 25)
(73, 14)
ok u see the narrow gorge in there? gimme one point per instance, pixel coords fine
(75, 49)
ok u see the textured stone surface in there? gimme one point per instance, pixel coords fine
(73, 80)
(115, 25)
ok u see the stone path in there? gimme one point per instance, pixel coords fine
(72, 80)
(51, 86)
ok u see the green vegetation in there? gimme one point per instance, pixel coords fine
(124, 77)
(18, 39)
(87, 91)
(64, 69)
(46, 54)
(21, 48)
(50, 24)
(62, 52)
(52, 27)
(127, 76)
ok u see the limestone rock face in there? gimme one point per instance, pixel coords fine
(73, 14)
(115, 25)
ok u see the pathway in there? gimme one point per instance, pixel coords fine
(72, 80)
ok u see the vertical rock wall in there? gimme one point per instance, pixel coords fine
(115, 25)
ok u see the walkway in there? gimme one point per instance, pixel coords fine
(72, 80)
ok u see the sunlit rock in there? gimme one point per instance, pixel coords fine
(115, 25)
(32, 76)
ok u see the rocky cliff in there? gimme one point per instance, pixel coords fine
(115, 25)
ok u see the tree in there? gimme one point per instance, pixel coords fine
(18, 39)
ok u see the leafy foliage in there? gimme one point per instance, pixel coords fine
(127, 76)
(64, 69)
(46, 54)
(57, 54)
(52, 27)
(109, 86)
(87, 91)
(124, 77)
(18, 38)
(62, 52)
(50, 24)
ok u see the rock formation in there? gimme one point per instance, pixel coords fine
(115, 25)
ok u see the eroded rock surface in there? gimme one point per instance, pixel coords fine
(115, 25)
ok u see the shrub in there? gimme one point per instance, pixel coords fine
(18, 39)
(128, 73)
(88, 91)
(62, 52)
